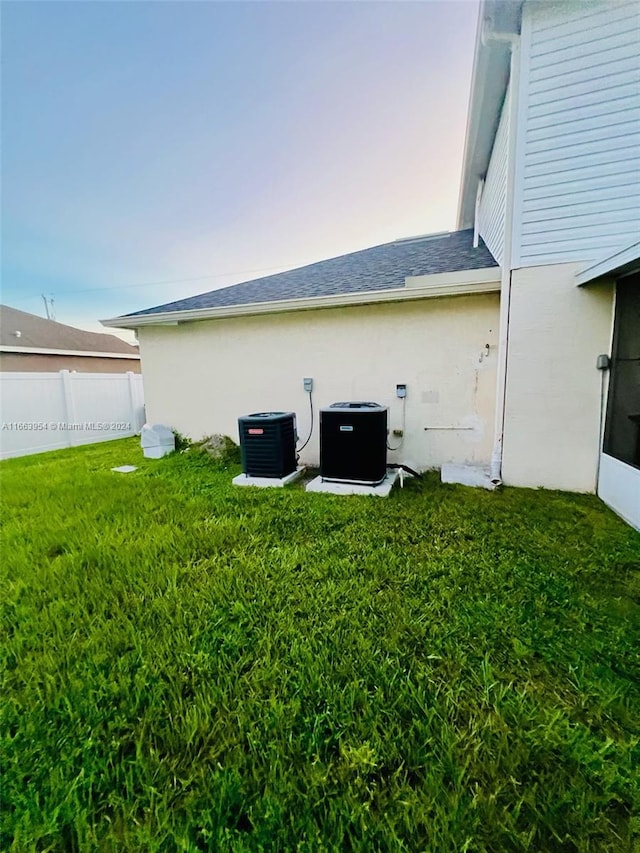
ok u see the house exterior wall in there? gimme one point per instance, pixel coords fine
(199, 377)
(491, 215)
(553, 400)
(576, 178)
(577, 185)
(34, 362)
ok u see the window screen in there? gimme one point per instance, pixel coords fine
(622, 428)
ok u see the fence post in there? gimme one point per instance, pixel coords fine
(69, 404)
(132, 401)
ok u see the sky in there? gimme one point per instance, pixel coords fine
(155, 150)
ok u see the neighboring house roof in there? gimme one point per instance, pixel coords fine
(379, 268)
(20, 331)
(491, 66)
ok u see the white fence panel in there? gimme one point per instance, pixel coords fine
(48, 411)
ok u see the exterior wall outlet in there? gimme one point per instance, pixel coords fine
(401, 391)
(308, 385)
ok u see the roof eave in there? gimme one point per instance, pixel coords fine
(488, 87)
(623, 262)
(463, 283)
(79, 352)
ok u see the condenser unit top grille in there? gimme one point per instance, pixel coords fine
(270, 415)
(357, 406)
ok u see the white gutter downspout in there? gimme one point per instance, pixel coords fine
(513, 40)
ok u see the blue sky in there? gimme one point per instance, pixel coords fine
(216, 142)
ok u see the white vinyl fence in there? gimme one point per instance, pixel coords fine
(47, 411)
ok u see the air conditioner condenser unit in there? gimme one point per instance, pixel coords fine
(268, 444)
(353, 443)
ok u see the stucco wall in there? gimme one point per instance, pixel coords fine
(552, 416)
(199, 377)
(36, 362)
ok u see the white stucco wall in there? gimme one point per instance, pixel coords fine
(200, 376)
(552, 415)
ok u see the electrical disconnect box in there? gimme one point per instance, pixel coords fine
(308, 385)
(401, 391)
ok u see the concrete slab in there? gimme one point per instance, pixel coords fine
(382, 491)
(269, 482)
(467, 475)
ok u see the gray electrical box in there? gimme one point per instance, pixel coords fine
(308, 385)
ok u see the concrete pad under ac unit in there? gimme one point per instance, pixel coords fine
(382, 490)
(269, 482)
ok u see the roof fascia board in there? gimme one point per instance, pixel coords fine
(452, 279)
(464, 283)
(471, 126)
(624, 260)
(489, 81)
(87, 353)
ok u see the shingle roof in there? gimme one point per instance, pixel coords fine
(380, 268)
(38, 332)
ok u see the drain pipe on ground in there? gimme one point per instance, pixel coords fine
(513, 40)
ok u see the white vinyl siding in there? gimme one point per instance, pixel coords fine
(578, 161)
(492, 205)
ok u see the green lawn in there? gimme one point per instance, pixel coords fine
(192, 666)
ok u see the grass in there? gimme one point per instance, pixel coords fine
(190, 666)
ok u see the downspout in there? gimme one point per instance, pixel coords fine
(513, 40)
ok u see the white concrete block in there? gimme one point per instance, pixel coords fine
(157, 440)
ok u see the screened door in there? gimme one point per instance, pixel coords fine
(619, 479)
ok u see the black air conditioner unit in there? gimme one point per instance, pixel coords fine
(268, 444)
(353, 443)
